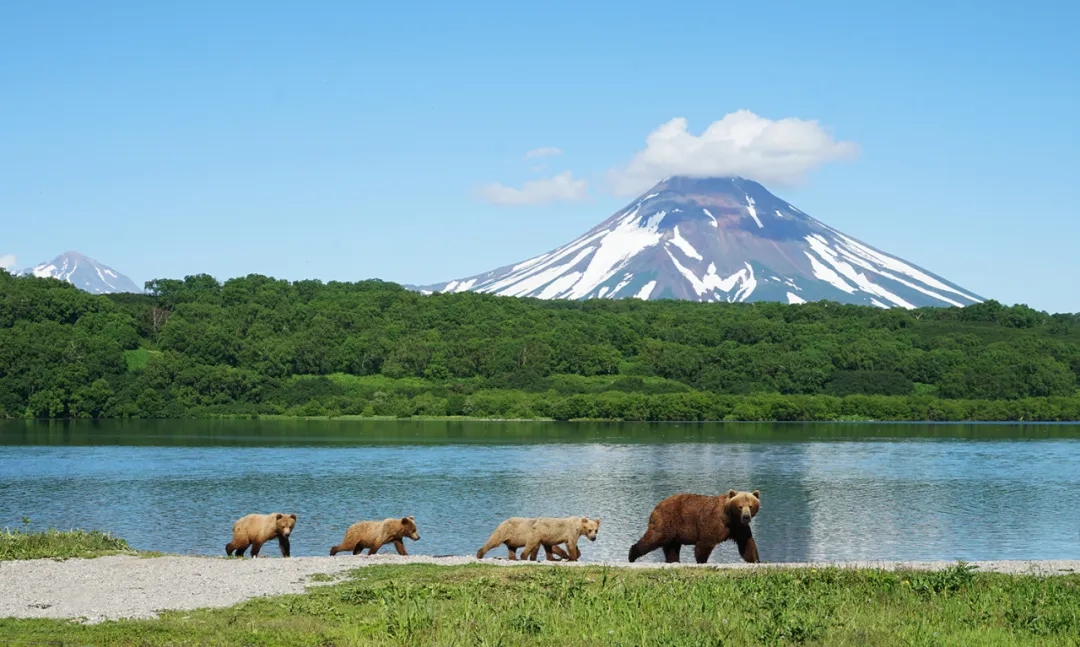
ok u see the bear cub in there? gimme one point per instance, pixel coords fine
(373, 534)
(549, 532)
(256, 529)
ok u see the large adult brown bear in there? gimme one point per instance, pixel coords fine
(703, 521)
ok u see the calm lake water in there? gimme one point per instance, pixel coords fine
(829, 491)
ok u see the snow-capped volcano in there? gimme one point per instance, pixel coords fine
(85, 274)
(717, 239)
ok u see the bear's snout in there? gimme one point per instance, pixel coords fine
(415, 536)
(286, 531)
(746, 516)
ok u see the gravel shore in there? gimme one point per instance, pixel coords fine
(107, 588)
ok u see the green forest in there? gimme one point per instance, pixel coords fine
(258, 346)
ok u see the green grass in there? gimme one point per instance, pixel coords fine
(539, 605)
(55, 544)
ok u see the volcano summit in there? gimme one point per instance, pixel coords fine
(717, 239)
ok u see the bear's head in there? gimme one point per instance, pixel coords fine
(408, 529)
(742, 506)
(589, 527)
(285, 523)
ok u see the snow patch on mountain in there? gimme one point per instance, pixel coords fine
(645, 291)
(753, 212)
(684, 245)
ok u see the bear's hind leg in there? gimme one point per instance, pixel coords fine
(374, 548)
(647, 544)
(671, 551)
(702, 552)
(553, 553)
(256, 546)
(492, 543)
(237, 549)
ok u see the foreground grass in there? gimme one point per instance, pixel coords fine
(56, 544)
(538, 605)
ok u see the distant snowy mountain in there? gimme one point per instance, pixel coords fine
(85, 274)
(717, 239)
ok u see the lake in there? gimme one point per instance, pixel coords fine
(848, 491)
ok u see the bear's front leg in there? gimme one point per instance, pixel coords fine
(374, 548)
(530, 551)
(400, 546)
(283, 544)
(255, 548)
(747, 546)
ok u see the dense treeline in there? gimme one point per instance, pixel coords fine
(257, 345)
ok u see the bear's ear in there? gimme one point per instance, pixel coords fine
(757, 495)
(405, 520)
(293, 515)
(730, 493)
(412, 518)
(277, 516)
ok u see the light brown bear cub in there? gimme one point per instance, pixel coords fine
(373, 534)
(256, 529)
(703, 522)
(532, 533)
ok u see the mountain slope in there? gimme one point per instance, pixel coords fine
(717, 239)
(84, 273)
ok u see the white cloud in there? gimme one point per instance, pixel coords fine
(544, 151)
(7, 262)
(561, 188)
(741, 143)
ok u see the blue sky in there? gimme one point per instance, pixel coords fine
(357, 140)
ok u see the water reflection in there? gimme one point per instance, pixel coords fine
(897, 492)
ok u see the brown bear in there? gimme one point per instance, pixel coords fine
(373, 534)
(703, 521)
(520, 532)
(256, 529)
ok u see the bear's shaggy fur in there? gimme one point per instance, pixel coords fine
(256, 529)
(532, 533)
(373, 534)
(703, 521)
